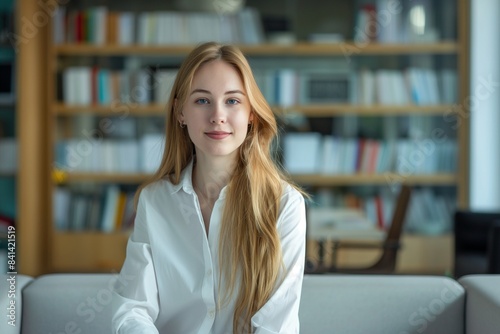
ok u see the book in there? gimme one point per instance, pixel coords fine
(110, 210)
(151, 152)
(301, 152)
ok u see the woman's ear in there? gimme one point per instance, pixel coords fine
(180, 116)
(250, 118)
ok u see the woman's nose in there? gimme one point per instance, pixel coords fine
(218, 115)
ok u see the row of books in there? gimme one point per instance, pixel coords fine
(85, 85)
(99, 25)
(407, 22)
(420, 86)
(312, 153)
(326, 225)
(88, 154)
(428, 212)
(8, 155)
(106, 210)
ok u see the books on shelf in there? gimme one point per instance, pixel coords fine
(429, 211)
(420, 86)
(107, 210)
(98, 26)
(110, 155)
(352, 211)
(151, 147)
(406, 22)
(311, 153)
(302, 152)
(85, 85)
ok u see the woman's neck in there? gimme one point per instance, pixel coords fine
(210, 176)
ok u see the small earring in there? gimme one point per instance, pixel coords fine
(182, 125)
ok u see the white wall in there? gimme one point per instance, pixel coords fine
(485, 106)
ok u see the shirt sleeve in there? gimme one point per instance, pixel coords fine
(135, 296)
(281, 313)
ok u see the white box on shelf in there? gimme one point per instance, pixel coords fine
(302, 152)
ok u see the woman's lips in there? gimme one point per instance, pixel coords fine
(217, 134)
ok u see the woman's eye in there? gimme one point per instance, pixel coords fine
(201, 101)
(233, 101)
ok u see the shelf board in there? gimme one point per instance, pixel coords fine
(327, 110)
(122, 109)
(114, 177)
(307, 179)
(374, 179)
(313, 110)
(299, 49)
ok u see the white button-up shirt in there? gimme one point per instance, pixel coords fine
(169, 281)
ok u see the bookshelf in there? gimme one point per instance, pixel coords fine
(97, 251)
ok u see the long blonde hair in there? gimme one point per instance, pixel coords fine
(250, 250)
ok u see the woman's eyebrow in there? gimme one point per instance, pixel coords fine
(199, 90)
(236, 91)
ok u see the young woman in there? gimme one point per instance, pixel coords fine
(219, 239)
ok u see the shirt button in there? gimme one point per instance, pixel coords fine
(209, 272)
(211, 313)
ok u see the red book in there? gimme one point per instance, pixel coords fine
(359, 156)
(380, 212)
(94, 86)
(79, 27)
(372, 163)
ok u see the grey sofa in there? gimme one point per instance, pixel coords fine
(344, 304)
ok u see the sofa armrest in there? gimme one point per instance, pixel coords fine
(11, 287)
(68, 303)
(482, 305)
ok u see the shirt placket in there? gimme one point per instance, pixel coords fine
(208, 284)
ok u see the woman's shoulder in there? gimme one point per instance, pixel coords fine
(156, 188)
(292, 208)
(290, 193)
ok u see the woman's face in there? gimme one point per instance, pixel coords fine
(217, 111)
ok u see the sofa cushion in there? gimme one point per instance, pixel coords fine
(11, 287)
(372, 304)
(482, 303)
(68, 303)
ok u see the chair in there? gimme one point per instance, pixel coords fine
(477, 243)
(386, 264)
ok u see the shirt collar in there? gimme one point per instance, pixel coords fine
(186, 181)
